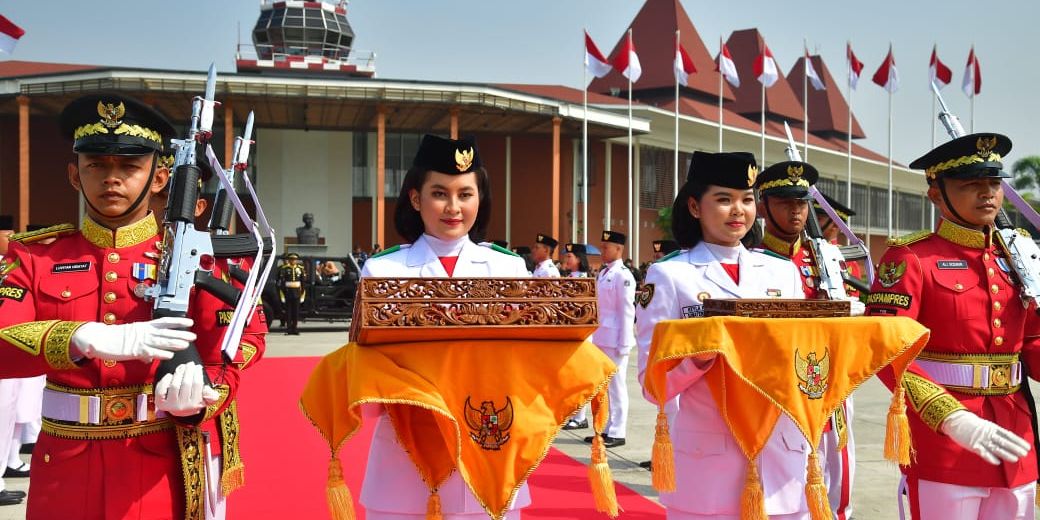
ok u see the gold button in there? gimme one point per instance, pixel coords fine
(110, 318)
(999, 340)
(110, 297)
(66, 293)
(958, 286)
(990, 271)
(46, 457)
(994, 288)
(111, 276)
(113, 258)
(109, 363)
(985, 256)
(996, 306)
(996, 322)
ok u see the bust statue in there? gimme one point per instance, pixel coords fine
(307, 233)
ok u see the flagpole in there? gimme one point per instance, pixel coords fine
(720, 92)
(805, 102)
(890, 226)
(675, 174)
(585, 156)
(630, 213)
(848, 178)
(762, 122)
(932, 119)
(971, 126)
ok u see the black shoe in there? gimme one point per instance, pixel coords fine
(647, 465)
(589, 438)
(613, 442)
(14, 492)
(10, 498)
(16, 472)
(294, 333)
(575, 425)
(27, 448)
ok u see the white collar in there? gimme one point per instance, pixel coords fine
(445, 247)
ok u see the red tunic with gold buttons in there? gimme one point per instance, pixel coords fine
(123, 467)
(957, 283)
(800, 256)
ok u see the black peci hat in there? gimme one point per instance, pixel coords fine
(522, 250)
(577, 249)
(292, 256)
(787, 179)
(613, 236)
(544, 239)
(6, 222)
(448, 156)
(665, 246)
(843, 211)
(501, 243)
(113, 124)
(736, 170)
(966, 157)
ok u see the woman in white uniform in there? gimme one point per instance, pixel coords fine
(442, 211)
(575, 261)
(713, 212)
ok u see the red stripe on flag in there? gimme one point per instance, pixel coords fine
(9, 28)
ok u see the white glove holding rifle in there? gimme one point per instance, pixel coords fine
(184, 392)
(984, 438)
(143, 341)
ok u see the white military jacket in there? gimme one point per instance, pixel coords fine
(392, 484)
(615, 294)
(546, 269)
(709, 465)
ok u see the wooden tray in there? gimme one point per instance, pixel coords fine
(776, 308)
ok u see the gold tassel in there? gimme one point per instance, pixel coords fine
(662, 458)
(897, 431)
(433, 507)
(816, 491)
(232, 479)
(840, 422)
(1037, 498)
(601, 480)
(753, 499)
(341, 503)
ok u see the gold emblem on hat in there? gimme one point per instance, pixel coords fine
(111, 115)
(463, 159)
(985, 145)
(606, 236)
(795, 171)
(752, 174)
(570, 248)
(657, 247)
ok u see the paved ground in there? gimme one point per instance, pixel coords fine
(875, 483)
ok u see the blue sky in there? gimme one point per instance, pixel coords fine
(540, 41)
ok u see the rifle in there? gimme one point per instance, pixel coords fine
(832, 271)
(1023, 253)
(220, 219)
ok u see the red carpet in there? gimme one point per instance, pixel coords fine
(286, 459)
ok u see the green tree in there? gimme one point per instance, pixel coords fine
(664, 222)
(1026, 173)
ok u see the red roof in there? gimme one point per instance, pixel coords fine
(781, 103)
(653, 33)
(16, 68)
(828, 111)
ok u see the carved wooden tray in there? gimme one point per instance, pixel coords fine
(391, 310)
(776, 308)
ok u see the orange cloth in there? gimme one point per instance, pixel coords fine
(489, 408)
(802, 367)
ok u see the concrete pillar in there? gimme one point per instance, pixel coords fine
(23, 163)
(556, 121)
(454, 123)
(380, 196)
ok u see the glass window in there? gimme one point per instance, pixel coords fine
(315, 22)
(265, 18)
(656, 172)
(294, 35)
(878, 207)
(294, 11)
(293, 21)
(359, 165)
(260, 37)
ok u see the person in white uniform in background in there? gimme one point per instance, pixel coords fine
(442, 211)
(9, 388)
(541, 253)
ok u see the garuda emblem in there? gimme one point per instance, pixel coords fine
(489, 427)
(752, 174)
(812, 372)
(111, 115)
(984, 145)
(795, 172)
(889, 274)
(463, 159)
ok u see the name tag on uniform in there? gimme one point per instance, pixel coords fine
(74, 267)
(693, 311)
(773, 293)
(952, 264)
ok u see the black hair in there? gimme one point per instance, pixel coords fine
(687, 230)
(407, 220)
(583, 261)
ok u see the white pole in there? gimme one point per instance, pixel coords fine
(720, 93)
(574, 191)
(630, 213)
(805, 103)
(890, 164)
(675, 173)
(607, 182)
(848, 173)
(762, 157)
(584, 157)
(633, 239)
(509, 187)
(972, 125)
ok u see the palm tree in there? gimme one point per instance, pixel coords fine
(664, 222)
(1026, 173)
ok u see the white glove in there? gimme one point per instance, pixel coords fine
(985, 438)
(857, 308)
(184, 392)
(143, 341)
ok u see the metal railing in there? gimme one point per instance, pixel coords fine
(363, 60)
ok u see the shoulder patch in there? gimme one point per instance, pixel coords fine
(1023, 232)
(909, 239)
(386, 252)
(773, 254)
(500, 249)
(43, 234)
(670, 256)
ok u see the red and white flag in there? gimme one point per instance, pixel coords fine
(887, 77)
(765, 67)
(972, 84)
(683, 65)
(810, 72)
(855, 66)
(627, 61)
(939, 73)
(9, 34)
(595, 63)
(724, 65)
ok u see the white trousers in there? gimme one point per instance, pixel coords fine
(8, 411)
(941, 501)
(617, 390)
(381, 515)
(215, 503)
(839, 467)
(675, 514)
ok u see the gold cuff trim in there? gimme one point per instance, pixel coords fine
(936, 411)
(94, 432)
(211, 409)
(193, 450)
(56, 348)
(131, 235)
(27, 336)
(961, 235)
(248, 353)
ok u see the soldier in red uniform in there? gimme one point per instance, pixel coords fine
(112, 447)
(970, 417)
(830, 232)
(784, 203)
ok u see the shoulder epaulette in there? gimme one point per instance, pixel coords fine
(771, 253)
(1023, 232)
(42, 234)
(386, 252)
(669, 256)
(500, 249)
(909, 239)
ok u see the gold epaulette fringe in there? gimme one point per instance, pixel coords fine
(909, 239)
(29, 237)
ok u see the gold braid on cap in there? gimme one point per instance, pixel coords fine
(779, 183)
(974, 158)
(131, 130)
